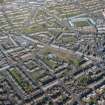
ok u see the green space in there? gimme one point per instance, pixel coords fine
(81, 23)
(20, 80)
(37, 74)
(33, 29)
(64, 73)
(71, 14)
(51, 63)
(83, 80)
(60, 56)
(76, 62)
(92, 101)
(69, 40)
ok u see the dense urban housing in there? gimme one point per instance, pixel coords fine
(52, 52)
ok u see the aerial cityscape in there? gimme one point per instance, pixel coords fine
(52, 52)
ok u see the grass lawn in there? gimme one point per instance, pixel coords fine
(81, 23)
(34, 28)
(69, 15)
(51, 63)
(36, 74)
(83, 80)
(20, 80)
(67, 40)
(61, 54)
